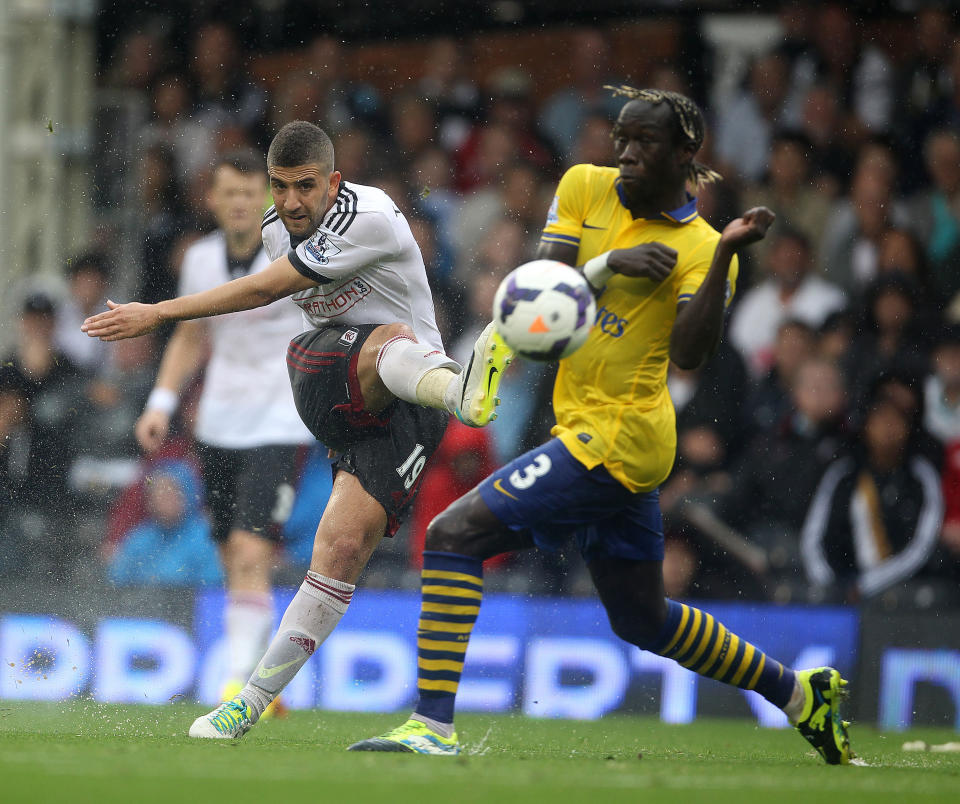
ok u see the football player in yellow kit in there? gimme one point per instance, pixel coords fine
(663, 276)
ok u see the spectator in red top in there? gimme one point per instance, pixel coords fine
(463, 459)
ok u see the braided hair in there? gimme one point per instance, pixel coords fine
(689, 118)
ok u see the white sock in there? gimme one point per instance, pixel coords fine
(443, 729)
(794, 707)
(402, 363)
(248, 622)
(309, 619)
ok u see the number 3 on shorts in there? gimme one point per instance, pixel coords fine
(540, 466)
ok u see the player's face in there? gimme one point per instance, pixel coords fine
(643, 143)
(236, 199)
(302, 195)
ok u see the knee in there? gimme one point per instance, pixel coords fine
(638, 625)
(384, 333)
(445, 534)
(247, 555)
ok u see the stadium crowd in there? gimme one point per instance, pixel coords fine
(819, 450)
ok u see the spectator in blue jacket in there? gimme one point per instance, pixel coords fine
(172, 546)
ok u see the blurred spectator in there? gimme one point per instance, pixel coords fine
(509, 133)
(835, 336)
(941, 390)
(771, 399)
(745, 123)
(357, 156)
(164, 217)
(88, 276)
(172, 127)
(44, 392)
(936, 213)
(172, 546)
(890, 332)
(344, 103)
(564, 115)
(137, 60)
(779, 470)
(842, 53)
(413, 126)
(788, 191)
(226, 97)
(924, 84)
(444, 82)
(833, 155)
(875, 519)
(851, 239)
(950, 533)
(711, 426)
(791, 290)
(518, 195)
(593, 143)
(900, 252)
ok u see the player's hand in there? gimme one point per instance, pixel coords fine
(151, 430)
(748, 228)
(648, 261)
(122, 321)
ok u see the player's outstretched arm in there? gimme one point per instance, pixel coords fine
(699, 324)
(121, 321)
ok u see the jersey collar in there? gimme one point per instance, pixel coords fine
(683, 214)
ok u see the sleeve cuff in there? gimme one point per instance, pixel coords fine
(304, 269)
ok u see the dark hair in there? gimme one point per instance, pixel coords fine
(90, 259)
(787, 232)
(689, 120)
(243, 160)
(300, 143)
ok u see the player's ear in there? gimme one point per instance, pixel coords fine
(334, 187)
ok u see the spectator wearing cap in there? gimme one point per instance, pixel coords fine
(790, 291)
(88, 276)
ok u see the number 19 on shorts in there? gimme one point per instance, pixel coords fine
(414, 465)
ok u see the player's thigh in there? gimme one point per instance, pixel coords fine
(323, 365)
(266, 488)
(550, 493)
(389, 462)
(467, 526)
(376, 395)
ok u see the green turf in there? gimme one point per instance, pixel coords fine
(86, 752)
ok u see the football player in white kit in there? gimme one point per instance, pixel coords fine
(371, 380)
(248, 432)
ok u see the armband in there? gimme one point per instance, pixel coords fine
(163, 399)
(597, 272)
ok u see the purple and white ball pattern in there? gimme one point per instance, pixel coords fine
(544, 310)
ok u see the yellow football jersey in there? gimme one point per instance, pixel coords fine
(610, 397)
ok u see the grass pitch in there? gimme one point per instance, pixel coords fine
(87, 752)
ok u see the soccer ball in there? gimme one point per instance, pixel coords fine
(544, 310)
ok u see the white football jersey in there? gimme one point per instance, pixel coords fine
(246, 400)
(365, 261)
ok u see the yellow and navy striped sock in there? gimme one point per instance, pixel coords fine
(451, 591)
(694, 639)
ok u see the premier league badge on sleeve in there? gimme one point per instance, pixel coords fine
(320, 248)
(553, 214)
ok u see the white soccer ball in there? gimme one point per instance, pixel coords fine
(544, 310)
